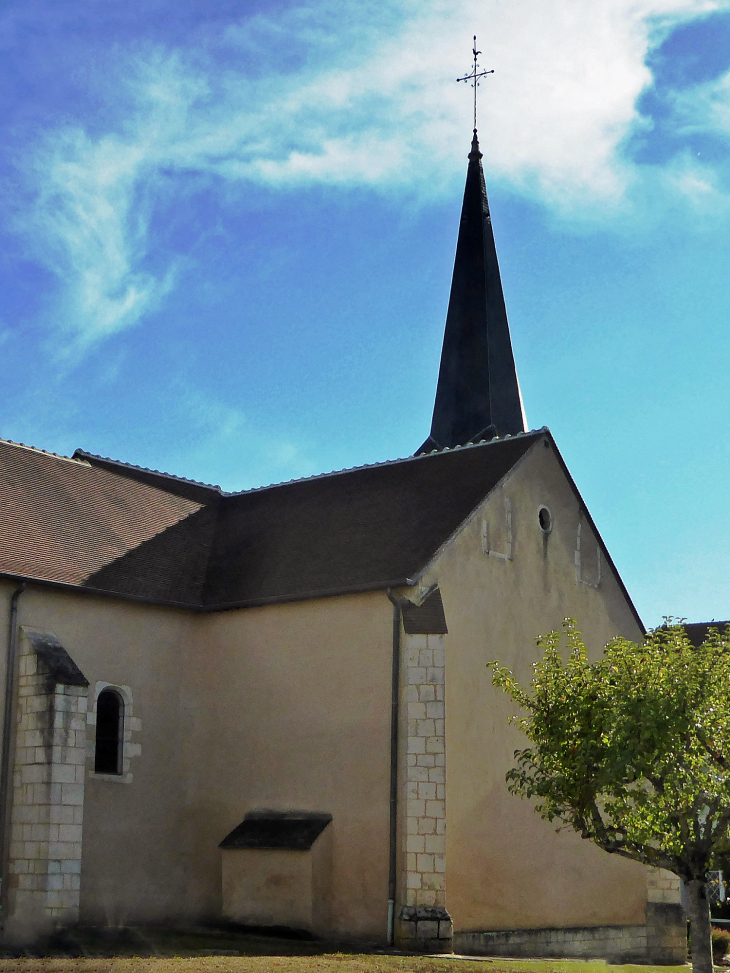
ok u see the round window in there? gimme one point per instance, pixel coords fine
(545, 520)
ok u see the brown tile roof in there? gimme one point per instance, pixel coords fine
(191, 489)
(62, 520)
(97, 524)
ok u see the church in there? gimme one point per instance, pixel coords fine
(272, 708)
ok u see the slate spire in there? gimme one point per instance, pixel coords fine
(478, 395)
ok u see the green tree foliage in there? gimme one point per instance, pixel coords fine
(633, 751)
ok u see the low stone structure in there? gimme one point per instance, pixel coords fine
(661, 940)
(276, 871)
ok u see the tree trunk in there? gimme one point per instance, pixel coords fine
(699, 917)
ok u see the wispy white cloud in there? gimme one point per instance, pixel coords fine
(88, 226)
(700, 179)
(703, 108)
(370, 100)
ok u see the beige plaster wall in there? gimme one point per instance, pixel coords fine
(296, 716)
(505, 867)
(134, 864)
(286, 707)
(276, 887)
(6, 592)
(268, 887)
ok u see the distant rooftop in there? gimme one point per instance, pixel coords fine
(697, 632)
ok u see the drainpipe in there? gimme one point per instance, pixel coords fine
(393, 766)
(7, 733)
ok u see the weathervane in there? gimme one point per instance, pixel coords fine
(474, 77)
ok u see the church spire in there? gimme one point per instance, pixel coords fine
(478, 396)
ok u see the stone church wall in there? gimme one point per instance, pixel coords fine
(137, 855)
(296, 716)
(661, 939)
(508, 874)
(287, 707)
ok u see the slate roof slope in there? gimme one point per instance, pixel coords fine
(364, 528)
(287, 830)
(191, 489)
(138, 534)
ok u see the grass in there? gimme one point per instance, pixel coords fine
(323, 963)
(135, 950)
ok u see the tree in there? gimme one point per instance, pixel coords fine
(633, 752)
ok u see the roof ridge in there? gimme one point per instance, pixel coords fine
(386, 462)
(46, 452)
(146, 469)
(82, 458)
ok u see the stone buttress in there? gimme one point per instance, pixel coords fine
(46, 816)
(422, 922)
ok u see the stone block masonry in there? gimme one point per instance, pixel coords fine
(423, 923)
(663, 886)
(46, 818)
(666, 923)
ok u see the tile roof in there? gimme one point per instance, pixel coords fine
(96, 524)
(364, 528)
(193, 489)
(62, 520)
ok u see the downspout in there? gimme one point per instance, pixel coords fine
(7, 733)
(395, 679)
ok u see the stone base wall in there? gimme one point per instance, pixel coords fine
(421, 929)
(661, 941)
(666, 933)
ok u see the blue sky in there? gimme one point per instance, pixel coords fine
(229, 228)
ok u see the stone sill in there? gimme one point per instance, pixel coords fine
(112, 778)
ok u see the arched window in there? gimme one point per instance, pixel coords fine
(109, 732)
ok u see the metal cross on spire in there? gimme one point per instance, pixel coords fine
(474, 77)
